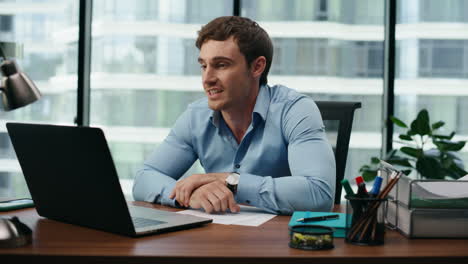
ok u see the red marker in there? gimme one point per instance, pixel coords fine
(362, 191)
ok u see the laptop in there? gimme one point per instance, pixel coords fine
(71, 177)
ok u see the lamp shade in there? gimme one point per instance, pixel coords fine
(18, 90)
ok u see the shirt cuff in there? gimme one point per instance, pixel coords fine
(248, 190)
(165, 195)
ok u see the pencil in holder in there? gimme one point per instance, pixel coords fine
(365, 220)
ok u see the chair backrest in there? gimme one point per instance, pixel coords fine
(342, 113)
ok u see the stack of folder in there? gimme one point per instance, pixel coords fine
(429, 208)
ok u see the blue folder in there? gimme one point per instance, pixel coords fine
(338, 224)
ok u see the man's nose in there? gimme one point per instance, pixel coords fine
(209, 76)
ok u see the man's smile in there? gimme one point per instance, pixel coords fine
(214, 92)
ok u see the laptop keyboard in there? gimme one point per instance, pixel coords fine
(140, 222)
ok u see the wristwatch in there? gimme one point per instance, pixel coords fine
(232, 181)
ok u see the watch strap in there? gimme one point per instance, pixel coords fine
(230, 186)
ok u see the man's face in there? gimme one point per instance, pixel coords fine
(227, 80)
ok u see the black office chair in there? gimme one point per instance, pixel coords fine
(341, 113)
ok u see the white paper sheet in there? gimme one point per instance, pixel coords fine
(443, 190)
(248, 216)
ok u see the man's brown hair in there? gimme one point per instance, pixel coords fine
(252, 40)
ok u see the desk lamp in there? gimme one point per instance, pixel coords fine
(18, 90)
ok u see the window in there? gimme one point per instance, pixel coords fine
(6, 23)
(330, 50)
(443, 58)
(145, 72)
(50, 62)
(432, 63)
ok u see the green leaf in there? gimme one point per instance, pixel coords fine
(364, 168)
(448, 137)
(443, 137)
(430, 168)
(398, 122)
(420, 125)
(405, 137)
(438, 125)
(369, 175)
(375, 160)
(444, 145)
(452, 134)
(413, 152)
(456, 172)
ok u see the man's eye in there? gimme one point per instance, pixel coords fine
(203, 67)
(221, 65)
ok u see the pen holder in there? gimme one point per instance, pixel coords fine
(365, 220)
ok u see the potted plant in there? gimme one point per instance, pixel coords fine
(427, 152)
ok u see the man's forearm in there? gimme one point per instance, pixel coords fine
(167, 163)
(285, 195)
(152, 186)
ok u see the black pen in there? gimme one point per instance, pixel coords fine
(318, 218)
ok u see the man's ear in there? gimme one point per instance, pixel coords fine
(258, 66)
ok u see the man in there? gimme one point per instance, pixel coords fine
(267, 141)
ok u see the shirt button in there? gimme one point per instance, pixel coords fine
(237, 166)
(247, 201)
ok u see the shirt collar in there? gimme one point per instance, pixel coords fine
(215, 117)
(263, 102)
(261, 106)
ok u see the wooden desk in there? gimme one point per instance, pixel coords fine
(58, 242)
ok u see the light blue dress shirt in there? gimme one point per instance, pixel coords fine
(285, 161)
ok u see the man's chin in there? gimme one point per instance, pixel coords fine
(215, 106)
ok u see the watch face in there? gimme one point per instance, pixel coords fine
(233, 179)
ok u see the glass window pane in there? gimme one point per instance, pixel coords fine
(432, 64)
(330, 50)
(45, 29)
(145, 72)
